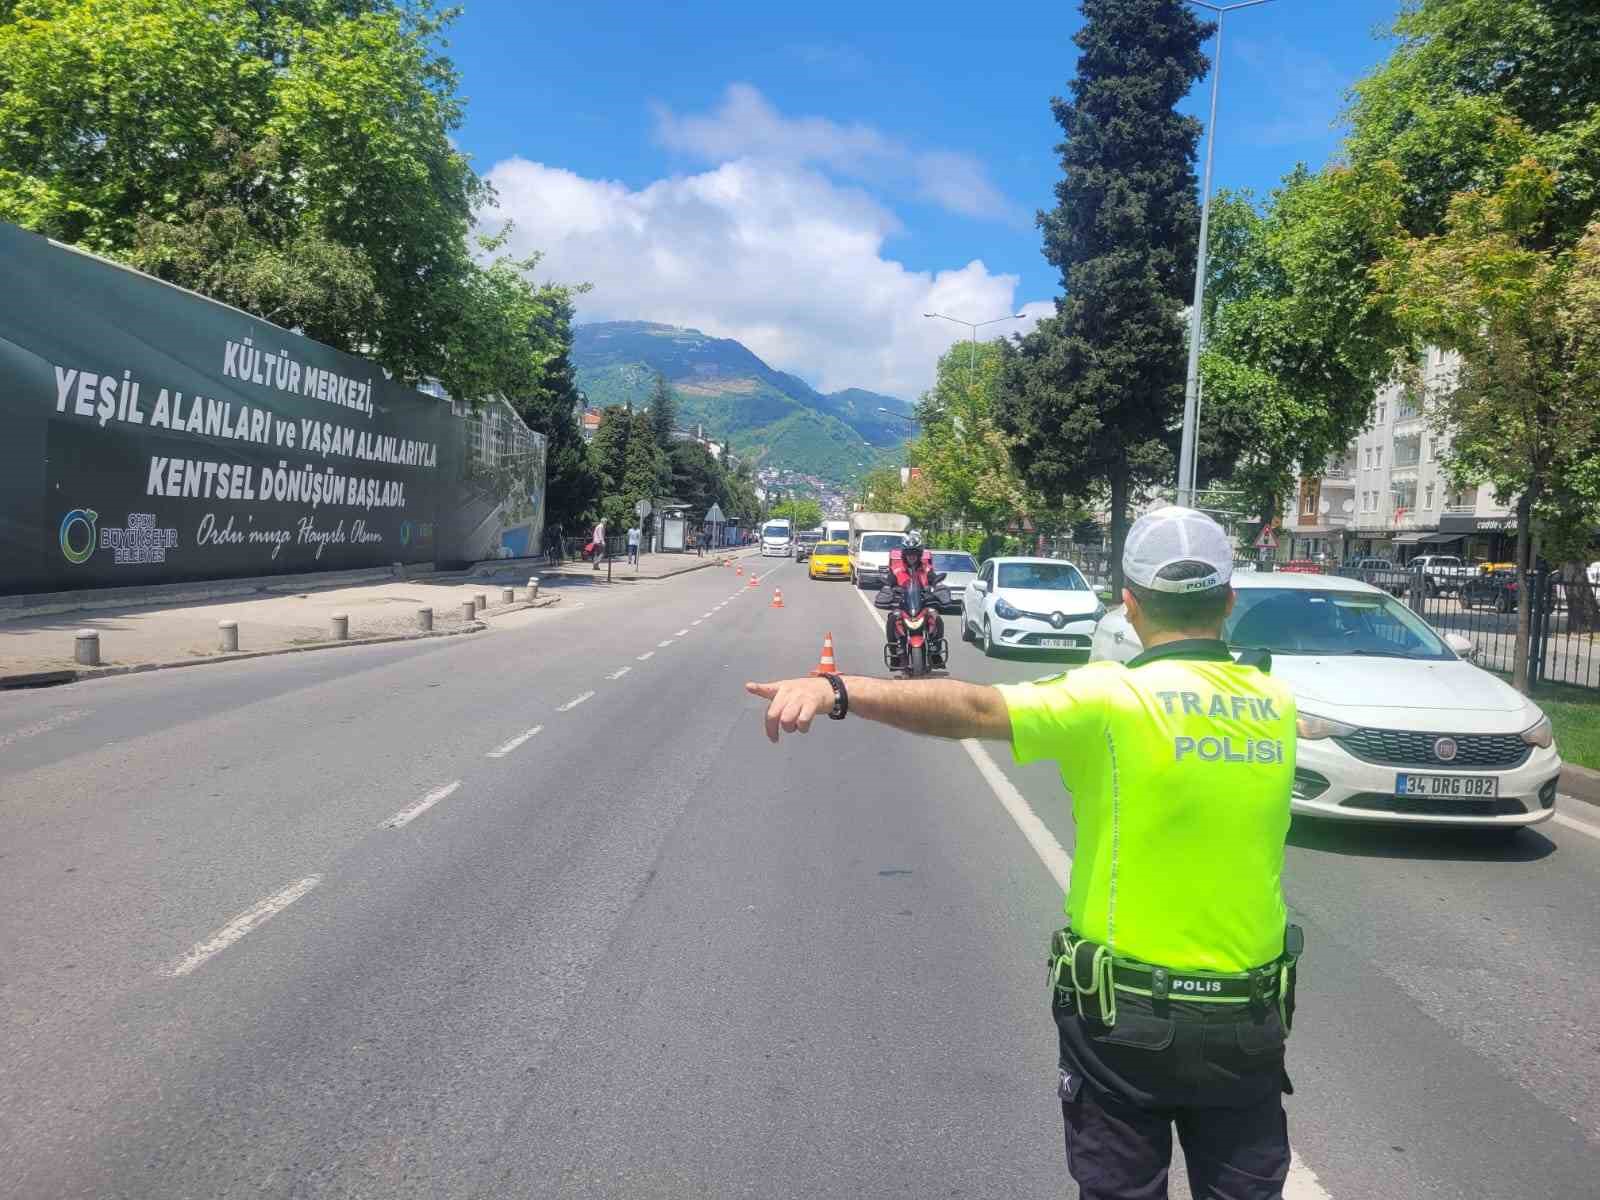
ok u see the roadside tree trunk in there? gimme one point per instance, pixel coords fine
(1119, 529)
(1519, 656)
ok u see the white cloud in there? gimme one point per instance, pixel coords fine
(772, 253)
(747, 125)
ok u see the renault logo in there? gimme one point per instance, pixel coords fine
(1058, 619)
(1445, 749)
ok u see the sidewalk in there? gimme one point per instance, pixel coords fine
(152, 635)
(651, 566)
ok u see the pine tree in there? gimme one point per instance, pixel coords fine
(663, 413)
(572, 485)
(1094, 395)
(609, 455)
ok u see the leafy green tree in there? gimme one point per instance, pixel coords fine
(644, 475)
(663, 412)
(697, 479)
(964, 454)
(269, 129)
(1094, 393)
(803, 512)
(1295, 350)
(1523, 411)
(572, 485)
(608, 454)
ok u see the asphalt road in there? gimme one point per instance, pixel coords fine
(344, 924)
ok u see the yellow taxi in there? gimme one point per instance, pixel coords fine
(830, 560)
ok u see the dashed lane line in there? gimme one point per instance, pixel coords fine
(646, 654)
(508, 747)
(619, 673)
(45, 726)
(574, 702)
(1302, 1183)
(235, 929)
(680, 633)
(407, 815)
(660, 645)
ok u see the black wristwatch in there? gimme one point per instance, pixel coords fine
(841, 698)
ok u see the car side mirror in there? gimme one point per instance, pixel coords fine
(1462, 646)
(980, 585)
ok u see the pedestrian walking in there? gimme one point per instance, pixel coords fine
(1172, 985)
(633, 544)
(598, 538)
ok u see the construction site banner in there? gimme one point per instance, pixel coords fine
(152, 435)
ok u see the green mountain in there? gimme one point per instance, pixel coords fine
(770, 416)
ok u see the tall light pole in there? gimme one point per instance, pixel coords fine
(972, 359)
(1189, 450)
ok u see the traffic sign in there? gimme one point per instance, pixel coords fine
(642, 509)
(1267, 539)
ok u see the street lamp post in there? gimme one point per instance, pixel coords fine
(974, 326)
(1189, 450)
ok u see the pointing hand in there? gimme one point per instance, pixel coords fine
(795, 703)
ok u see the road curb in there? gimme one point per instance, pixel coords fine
(31, 679)
(1580, 783)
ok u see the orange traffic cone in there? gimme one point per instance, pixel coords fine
(826, 666)
(777, 598)
(738, 570)
(754, 581)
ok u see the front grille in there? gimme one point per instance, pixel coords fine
(1435, 806)
(1403, 748)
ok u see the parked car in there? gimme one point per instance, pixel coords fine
(1442, 574)
(803, 541)
(959, 569)
(1495, 589)
(1380, 572)
(1029, 604)
(829, 560)
(1303, 566)
(1395, 724)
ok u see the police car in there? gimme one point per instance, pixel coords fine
(1395, 725)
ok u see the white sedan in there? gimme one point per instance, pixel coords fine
(1394, 724)
(1029, 604)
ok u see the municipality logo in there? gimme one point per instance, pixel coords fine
(78, 537)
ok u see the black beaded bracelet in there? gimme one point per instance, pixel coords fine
(841, 698)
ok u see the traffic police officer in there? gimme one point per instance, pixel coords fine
(1172, 984)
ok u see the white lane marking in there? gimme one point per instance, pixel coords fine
(241, 925)
(704, 615)
(692, 623)
(619, 673)
(502, 751)
(574, 702)
(680, 633)
(407, 815)
(1561, 818)
(668, 642)
(1302, 1183)
(44, 726)
(647, 654)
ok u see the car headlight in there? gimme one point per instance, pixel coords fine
(1099, 611)
(1004, 611)
(1314, 728)
(1539, 733)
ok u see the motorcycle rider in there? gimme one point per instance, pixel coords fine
(913, 563)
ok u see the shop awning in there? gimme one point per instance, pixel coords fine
(1435, 538)
(1410, 539)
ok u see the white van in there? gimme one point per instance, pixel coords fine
(777, 538)
(836, 531)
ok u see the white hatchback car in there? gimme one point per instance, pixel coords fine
(1394, 724)
(1029, 604)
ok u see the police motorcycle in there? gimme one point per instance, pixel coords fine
(914, 636)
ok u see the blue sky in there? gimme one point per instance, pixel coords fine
(809, 178)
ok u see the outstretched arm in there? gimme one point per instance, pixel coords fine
(936, 707)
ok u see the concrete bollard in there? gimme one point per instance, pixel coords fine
(86, 651)
(341, 626)
(469, 610)
(425, 619)
(227, 636)
(533, 587)
(481, 601)
(508, 595)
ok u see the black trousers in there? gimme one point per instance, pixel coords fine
(1215, 1072)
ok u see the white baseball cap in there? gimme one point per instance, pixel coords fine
(1173, 535)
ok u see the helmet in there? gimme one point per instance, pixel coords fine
(913, 541)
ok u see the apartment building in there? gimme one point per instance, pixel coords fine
(1387, 495)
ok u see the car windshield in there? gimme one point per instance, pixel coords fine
(823, 549)
(1042, 577)
(810, 537)
(775, 531)
(944, 560)
(881, 541)
(1301, 621)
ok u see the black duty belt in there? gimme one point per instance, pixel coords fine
(1091, 973)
